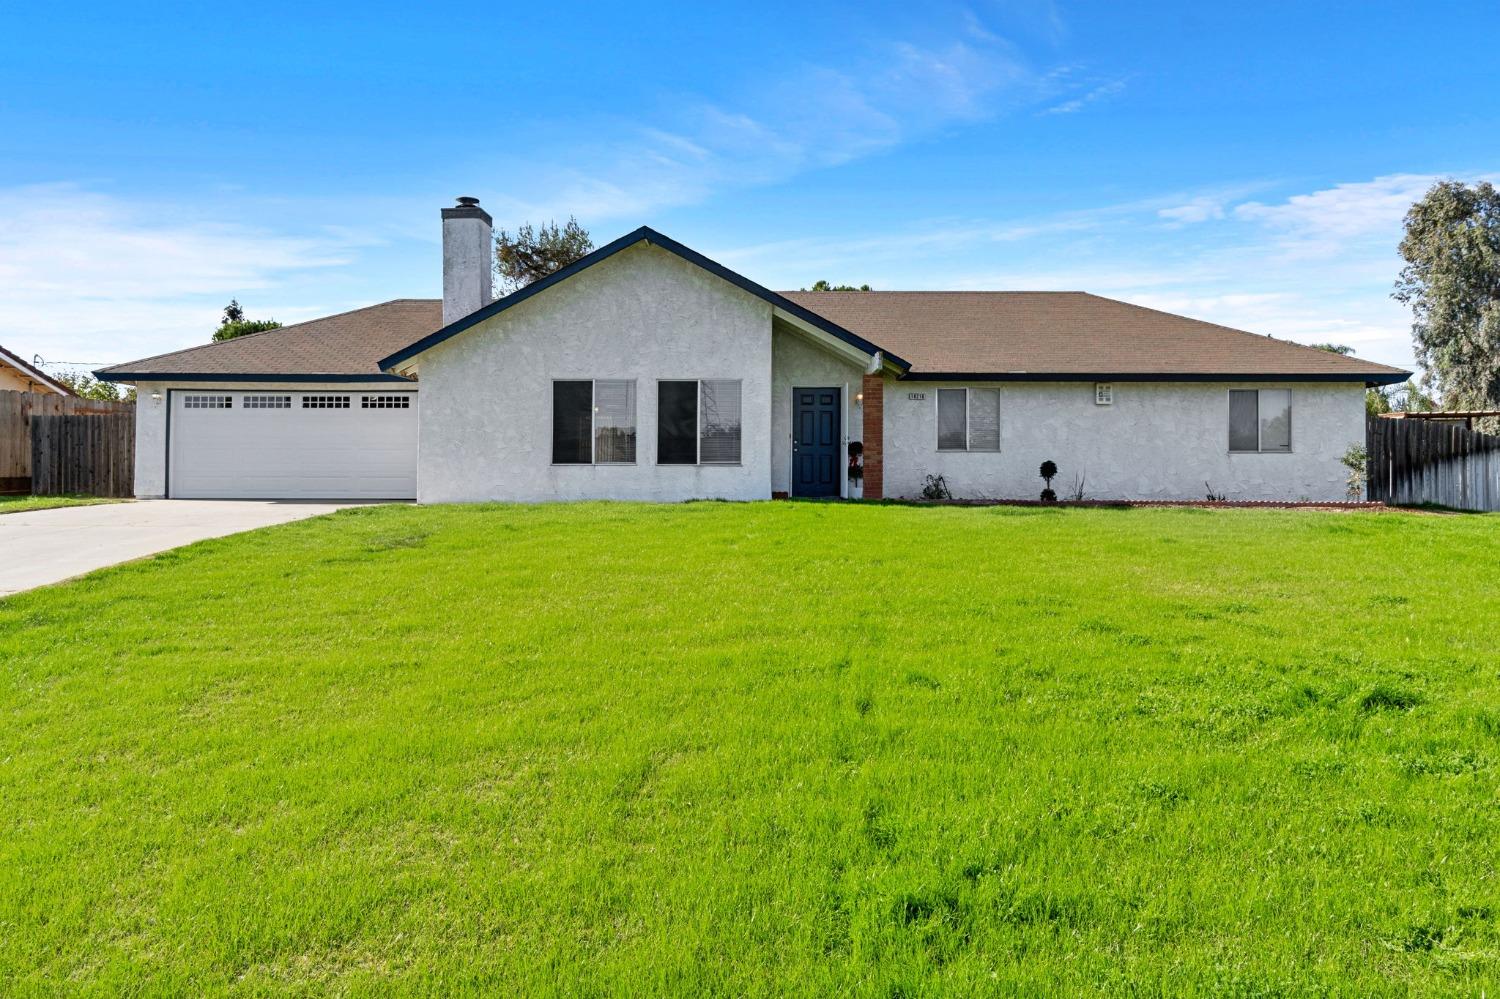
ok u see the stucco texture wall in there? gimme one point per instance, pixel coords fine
(643, 314)
(799, 363)
(151, 420)
(1159, 440)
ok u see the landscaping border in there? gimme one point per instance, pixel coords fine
(1369, 506)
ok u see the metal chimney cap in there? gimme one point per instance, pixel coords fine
(467, 208)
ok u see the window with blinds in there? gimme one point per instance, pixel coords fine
(614, 422)
(968, 419)
(593, 422)
(719, 423)
(698, 422)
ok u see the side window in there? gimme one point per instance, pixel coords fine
(1260, 420)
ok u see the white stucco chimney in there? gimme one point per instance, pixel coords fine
(468, 248)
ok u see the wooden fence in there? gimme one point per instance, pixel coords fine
(16, 412)
(1416, 461)
(83, 453)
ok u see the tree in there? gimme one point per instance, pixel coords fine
(531, 255)
(235, 324)
(1377, 400)
(825, 286)
(1452, 283)
(86, 386)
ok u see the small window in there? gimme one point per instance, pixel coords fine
(1104, 394)
(325, 402)
(267, 402)
(207, 402)
(1260, 420)
(593, 422)
(385, 402)
(698, 422)
(968, 419)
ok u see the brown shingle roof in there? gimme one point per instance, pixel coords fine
(1027, 333)
(1065, 333)
(350, 343)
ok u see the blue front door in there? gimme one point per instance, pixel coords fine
(817, 461)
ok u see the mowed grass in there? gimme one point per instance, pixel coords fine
(762, 749)
(22, 504)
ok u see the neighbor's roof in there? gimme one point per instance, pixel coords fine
(34, 373)
(345, 347)
(1043, 335)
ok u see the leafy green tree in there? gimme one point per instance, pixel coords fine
(1334, 348)
(532, 254)
(1408, 397)
(1452, 283)
(235, 324)
(825, 286)
(86, 386)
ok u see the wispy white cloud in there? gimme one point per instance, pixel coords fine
(1325, 222)
(795, 119)
(1199, 209)
(1101, 92)
(91, 277)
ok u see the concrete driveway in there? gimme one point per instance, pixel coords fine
(48, 546)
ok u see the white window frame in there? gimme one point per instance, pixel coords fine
(593, 461)
(938, 425)
(698, 461)
(1291, 409)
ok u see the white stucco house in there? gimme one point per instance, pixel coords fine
(647, 371)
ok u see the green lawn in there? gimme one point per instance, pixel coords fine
(21, 504)
(759, 750)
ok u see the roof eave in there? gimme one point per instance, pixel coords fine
(133, 377)
(1364, 377)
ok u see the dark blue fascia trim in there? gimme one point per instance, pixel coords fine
(651, 236)
(270, 376)
(1136, 376)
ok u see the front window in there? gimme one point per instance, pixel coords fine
(593, 422)
(968, 419)
(1260, 420)
(698, 422)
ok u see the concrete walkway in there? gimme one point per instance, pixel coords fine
(48, 546)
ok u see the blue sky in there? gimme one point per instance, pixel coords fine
(1243, 163)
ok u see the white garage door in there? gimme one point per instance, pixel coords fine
(293, 445)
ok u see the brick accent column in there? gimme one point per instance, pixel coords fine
(874, 440)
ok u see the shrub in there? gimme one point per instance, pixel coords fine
(936, 488)
(1047, 471)
(1356, 459)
